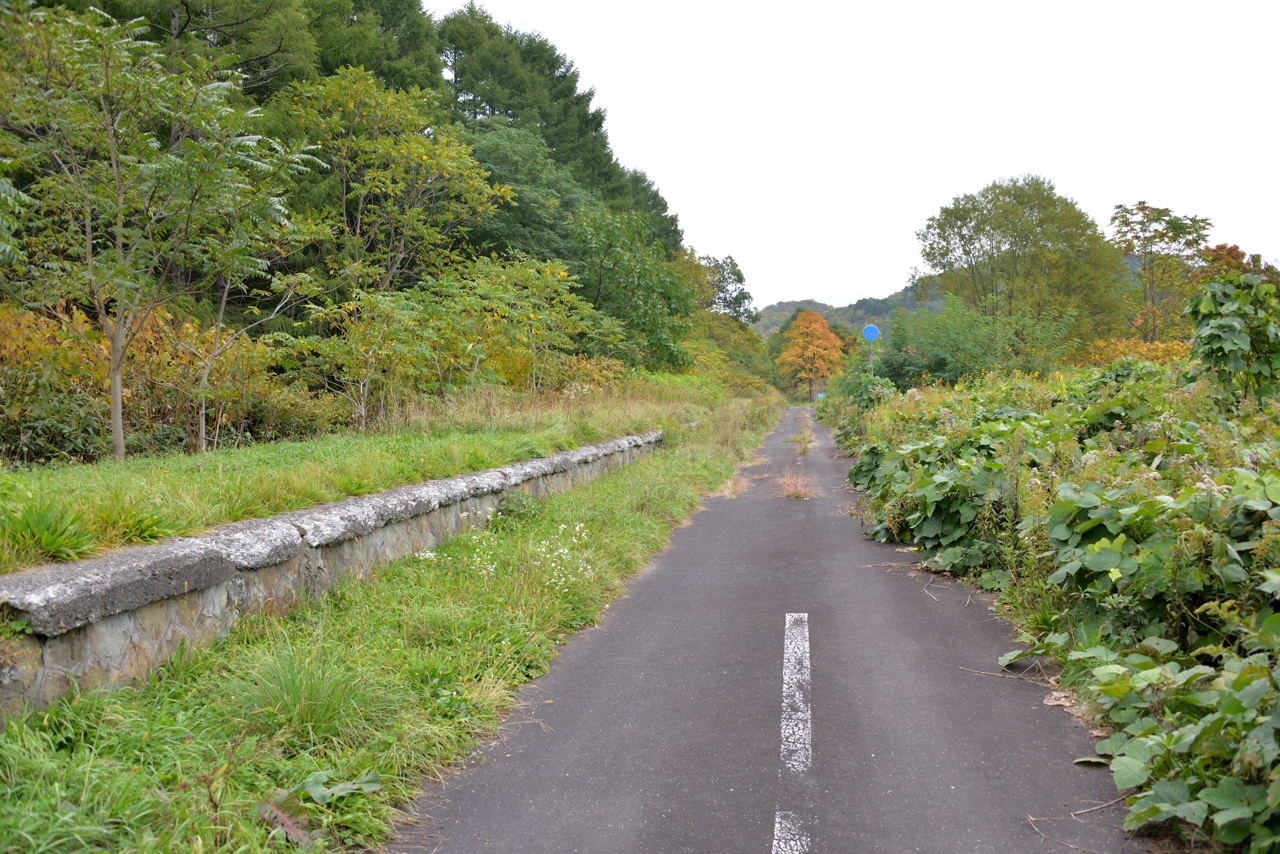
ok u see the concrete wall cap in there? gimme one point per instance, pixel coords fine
(257, 542)
(407, 502)
(453, 490)
(531, 469)
(58, 598)
(485, 482)
(333, 523)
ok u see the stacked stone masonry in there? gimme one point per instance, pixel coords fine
(113, 619)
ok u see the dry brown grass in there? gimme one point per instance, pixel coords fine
(734, 486)
(796, 485)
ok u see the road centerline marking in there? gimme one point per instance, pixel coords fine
(792, 828)
(797, 719)
(789, 834)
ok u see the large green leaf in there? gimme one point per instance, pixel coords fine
(1129, 772)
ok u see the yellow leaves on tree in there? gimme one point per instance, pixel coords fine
(812, 351)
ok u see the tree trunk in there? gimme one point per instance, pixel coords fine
(202, 444)
(117, 414)
(115, 371)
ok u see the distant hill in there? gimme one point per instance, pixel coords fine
(855, 316)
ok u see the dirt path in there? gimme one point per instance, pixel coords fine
(775, 682)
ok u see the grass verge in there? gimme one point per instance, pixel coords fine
(313, 726)
(68, 512)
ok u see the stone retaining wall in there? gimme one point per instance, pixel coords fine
(115, 618)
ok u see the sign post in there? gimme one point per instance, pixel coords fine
(871, 332)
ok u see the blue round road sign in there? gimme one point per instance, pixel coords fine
(871, 332)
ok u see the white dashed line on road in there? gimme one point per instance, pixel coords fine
(797, 723)
(791, 828)
(789, 835)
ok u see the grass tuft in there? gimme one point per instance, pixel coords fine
(49, 532)
(129, 520)
(311, 698)
(796, 485)
(803, 437)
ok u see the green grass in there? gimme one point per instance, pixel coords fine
(396, 677)
(146, 499)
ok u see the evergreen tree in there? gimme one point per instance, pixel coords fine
(646, 199)
(536, 222)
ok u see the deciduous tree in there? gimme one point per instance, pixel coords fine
(812, 352)
(544, 194)
(623, 272)
(1019, 246)
(12, 201)
(403, 189)
(1215, 262)
(268, 42)
(1164, 244)
(718, 284)
(145, 184)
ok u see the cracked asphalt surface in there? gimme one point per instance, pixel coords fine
(658, 730)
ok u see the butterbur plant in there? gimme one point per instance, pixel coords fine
(1237, 333)
(1198, 743)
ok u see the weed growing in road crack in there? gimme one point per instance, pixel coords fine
(796, 485)
(804, 438)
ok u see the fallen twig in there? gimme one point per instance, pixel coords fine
(1100, 806)
(987, 673)
(1002, 675)
(1032, 821)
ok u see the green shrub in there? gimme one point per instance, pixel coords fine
(50, 413)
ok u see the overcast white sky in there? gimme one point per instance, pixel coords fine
(811, 140)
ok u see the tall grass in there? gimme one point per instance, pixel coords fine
(148, 498)
(373, 686)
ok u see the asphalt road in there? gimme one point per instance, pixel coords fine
(773, 682)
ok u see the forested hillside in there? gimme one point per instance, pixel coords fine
(855, 315)
(243, 221)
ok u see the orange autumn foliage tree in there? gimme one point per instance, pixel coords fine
(812, 351)
(1225, 259)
